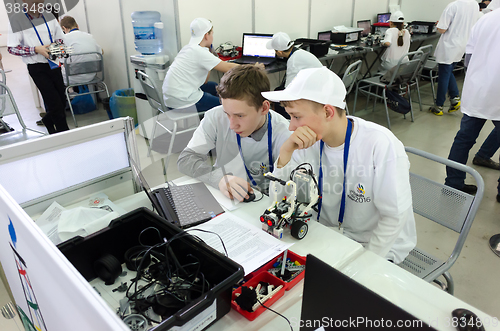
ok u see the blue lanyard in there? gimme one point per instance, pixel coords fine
(50, 35)
(347, 143)
(269, 149)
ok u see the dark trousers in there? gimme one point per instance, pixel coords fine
(446, 83)
(464, 140)
(51, 86)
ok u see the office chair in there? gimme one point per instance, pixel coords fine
(404, 74)
(446, 206)
(176, 116)
(90, 64)
(349, 79)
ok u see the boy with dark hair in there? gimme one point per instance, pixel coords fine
(245, 133)
(362, 167)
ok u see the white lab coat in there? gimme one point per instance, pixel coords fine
(482, 80)
(457, 19)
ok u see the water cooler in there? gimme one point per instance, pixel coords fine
(148, 40)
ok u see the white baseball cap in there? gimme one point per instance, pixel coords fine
(199, 26)
(280, 42)
(397, 17)
(316, 84)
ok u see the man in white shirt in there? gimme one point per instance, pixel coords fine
(370, 201)
(296, 60)
(245, 133)
(478, 96)
(455, 25)
(186, 82)
(82, 42)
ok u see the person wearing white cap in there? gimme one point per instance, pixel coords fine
(245, 133)
(296, 60)
(455, 25)
(362, 168)
(186, 82)
(397, 41)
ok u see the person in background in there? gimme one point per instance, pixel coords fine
(245, 133)
(296, 60)
(454, 25)
(397, 41)
(81, 42)
(478, 101)
(364, 168)
(186, 82)
(30, 35)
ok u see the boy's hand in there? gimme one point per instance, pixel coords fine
(303, 137)
(42, 50)
(235, 187)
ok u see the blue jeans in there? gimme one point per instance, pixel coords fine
(446, 83)
(464, 140)
(210, 99)
(490, 145)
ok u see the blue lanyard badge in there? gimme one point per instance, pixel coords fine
(37, 34)
(347, 143)
(269, 149)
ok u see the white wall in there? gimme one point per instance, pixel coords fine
(423, 10)
(326, 14)
(4, 25)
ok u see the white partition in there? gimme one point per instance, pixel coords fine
(78, 13)
(290, 16)
(423, 10)
(326, 14)
(230, 18)
(368, 9)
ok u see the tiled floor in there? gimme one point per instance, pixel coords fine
(477, 268)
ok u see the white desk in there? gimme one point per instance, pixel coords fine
(423, 300)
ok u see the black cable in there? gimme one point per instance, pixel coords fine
(276, 313)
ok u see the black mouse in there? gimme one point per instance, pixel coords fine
(251, 197)
(467, 320)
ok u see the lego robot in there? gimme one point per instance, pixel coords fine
(58, 50)
(293, 210)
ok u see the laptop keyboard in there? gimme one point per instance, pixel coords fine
(188, 210)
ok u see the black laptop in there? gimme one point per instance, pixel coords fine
(334, 301)
(182, 205)
(255, 50)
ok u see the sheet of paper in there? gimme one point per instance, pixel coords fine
(245, 243)
(49, 221)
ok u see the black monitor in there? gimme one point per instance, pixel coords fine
(383, 18)
(366, 25)
(325, 35)
(334, 301)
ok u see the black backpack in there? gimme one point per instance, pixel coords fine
(397, 102)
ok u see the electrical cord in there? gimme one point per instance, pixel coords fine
(276, 313)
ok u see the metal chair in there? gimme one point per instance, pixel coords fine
(176, 116)
(430, 71)
(84, 64)
(446, 206)
(426, 50)
(349, 79)
(404, 73)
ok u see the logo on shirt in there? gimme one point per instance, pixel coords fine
(358, 195)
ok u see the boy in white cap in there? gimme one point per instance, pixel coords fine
(245, 133)
(296, 60)
(362, 168)
(455, 26)
(186, 83)
(397, 41)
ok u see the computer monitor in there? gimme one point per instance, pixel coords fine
(383, 18)
(325, 35)
(254, 44)
(331, 299)
(366, 25)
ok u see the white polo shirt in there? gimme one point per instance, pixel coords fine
(82, 42)
(300, 59)
(393, 53)
(29, 38)
(482, 79)
(181, 87)
(457, 18)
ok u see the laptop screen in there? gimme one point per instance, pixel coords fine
(326, 35)
(334, 301)
(383, 18)
(255, 45)
(366, 26)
